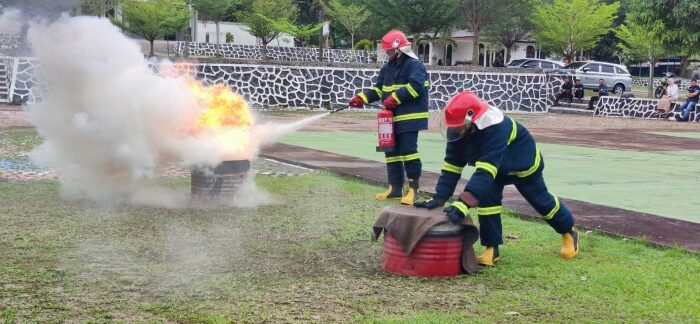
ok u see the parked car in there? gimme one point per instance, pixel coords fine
(589, 72)
(534, 64)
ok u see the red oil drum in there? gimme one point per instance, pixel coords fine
(438, 254)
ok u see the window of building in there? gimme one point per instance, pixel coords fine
(530, 52)
(448, 55)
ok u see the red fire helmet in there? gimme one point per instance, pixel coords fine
(464, 109)
(394, 39)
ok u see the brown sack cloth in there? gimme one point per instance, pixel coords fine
(408, 225)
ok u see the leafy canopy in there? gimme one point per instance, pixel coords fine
(214, 10)
(153, 19)
(351, 16)
(255, 14)
(568, 26)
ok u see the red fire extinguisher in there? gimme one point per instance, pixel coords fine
(385, 130)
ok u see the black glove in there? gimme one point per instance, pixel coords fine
(431, 203)
(457, 211)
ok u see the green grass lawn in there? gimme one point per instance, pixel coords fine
(306, 258)
(651, 182)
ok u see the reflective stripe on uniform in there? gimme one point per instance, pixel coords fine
(378, 91)
(392, 88)
(413, 116)
(532, 169)
(554, 210)
(363, 96)
(393, 95)
(488, 167)
(492, 210)
(462, 207)
(392, 159)
(513, 132)
(452, 168)
(412, 91)
(411, 157)
(395, 87)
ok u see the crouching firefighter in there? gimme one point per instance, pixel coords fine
(503, 153)
(402, 85)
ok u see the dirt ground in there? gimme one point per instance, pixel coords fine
(614, 133)
(629, 134)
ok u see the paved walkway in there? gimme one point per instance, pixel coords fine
(655, 229)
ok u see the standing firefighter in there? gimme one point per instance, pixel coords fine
(504, 153)
(403, 86)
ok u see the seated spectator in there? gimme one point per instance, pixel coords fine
(565, 91)
(602, 91)
(578, 90)
(671, 96)
(690, 102)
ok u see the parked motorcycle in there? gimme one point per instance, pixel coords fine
(661, 89)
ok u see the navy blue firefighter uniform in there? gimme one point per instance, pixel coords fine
(504, 153)
(404, 79)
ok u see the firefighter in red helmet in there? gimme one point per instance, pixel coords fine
(504, 153)
(402, 85)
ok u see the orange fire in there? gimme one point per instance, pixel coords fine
(225, 114)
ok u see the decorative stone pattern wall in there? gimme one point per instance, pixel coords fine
(644, 82)
(313, 86)
(287, 86)
(24, 87)
(276, 53)
(634, 107)
(9, 41)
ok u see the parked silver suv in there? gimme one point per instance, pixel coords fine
(589, 72)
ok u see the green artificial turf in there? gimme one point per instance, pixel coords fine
(661, 183)
(306, 258)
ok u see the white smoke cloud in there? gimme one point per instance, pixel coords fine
(11, 21)
(109, 122)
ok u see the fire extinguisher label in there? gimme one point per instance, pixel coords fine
(385, 129)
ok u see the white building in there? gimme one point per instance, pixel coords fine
(205, 32)
(438, 52)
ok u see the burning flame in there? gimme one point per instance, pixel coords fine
(225, 114)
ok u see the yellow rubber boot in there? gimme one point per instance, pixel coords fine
(412, 194)
(390, 193)
(569, 244)
(489, 257)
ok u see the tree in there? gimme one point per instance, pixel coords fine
(568, 26)
(680, 24)
(351, 16)
(303, 32)
(216, 11)
(256, 12)
(478, 14)
(416, 16)
(153, 19)
(642, 42)
(512, 26)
